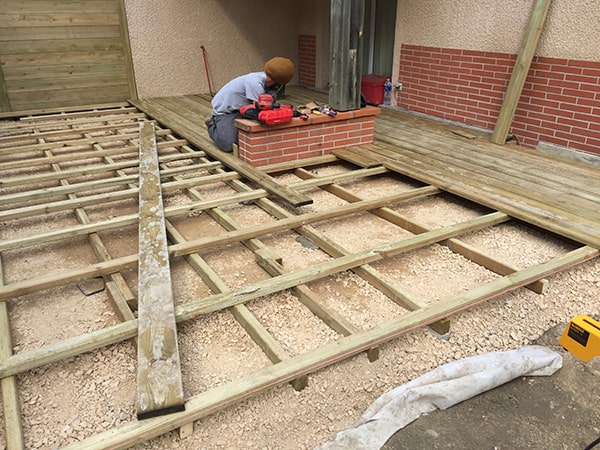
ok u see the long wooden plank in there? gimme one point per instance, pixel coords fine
(54, 117)
(95, 199)
(259, 334)
(15, 134)
(45, 193)
(231, 393)
(192, 133)
(8, 385)
(159, 383)
(80, 171)
(76, 154)
(130, 219)
(117, 288)
(65, 144)
(520, 70)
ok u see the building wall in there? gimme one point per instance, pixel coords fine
(470, 46)
(494, 26)
(238, 36)
(455, 59)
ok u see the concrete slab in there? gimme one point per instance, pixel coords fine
(561, 411)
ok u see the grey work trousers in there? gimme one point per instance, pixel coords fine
(223, 131)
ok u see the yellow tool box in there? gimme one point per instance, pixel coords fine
(582, 338)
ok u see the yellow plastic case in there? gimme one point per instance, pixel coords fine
(582, 338)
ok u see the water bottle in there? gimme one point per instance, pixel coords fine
(387, 92)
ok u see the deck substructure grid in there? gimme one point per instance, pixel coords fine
(83, 163)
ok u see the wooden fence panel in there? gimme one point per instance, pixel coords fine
(63, 53)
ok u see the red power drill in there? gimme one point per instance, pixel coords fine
(265, 101)
(267, 111)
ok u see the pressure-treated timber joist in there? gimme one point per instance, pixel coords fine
(207, 214)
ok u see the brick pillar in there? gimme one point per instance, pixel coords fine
(262, 144)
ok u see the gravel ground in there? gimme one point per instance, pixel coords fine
(68, 401)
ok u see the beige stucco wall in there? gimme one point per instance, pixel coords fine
(166, 37)
(239, 35)
(570, 31)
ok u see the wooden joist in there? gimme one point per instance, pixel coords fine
(159, 383)
(8, 385)
(495, 264)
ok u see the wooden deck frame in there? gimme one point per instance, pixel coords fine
(376, 160)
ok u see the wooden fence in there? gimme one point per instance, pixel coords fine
(63, 53)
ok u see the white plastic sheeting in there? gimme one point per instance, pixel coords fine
(441, 388)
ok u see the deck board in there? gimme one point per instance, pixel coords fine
(559, 195)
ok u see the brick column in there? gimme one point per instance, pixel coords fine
(319, 135)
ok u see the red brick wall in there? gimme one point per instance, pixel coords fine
(307, 60)
(560, 102)
(319, 135)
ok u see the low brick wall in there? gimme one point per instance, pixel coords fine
(320, 134)
(560, 102)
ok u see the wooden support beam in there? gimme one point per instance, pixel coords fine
(520, 70)
(8, 385)
(91, 109)
(274, 351)
(117, 288)
(48, 192)
(106, 267)
(476, 255)
(66, 144)
(159, 384)
(122, 221)
(77, 154)
(347, 18)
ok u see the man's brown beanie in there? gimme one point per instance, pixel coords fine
(280, 70)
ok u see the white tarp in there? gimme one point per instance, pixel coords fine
(441, 388)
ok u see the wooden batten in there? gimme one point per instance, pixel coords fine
(520, 71)
(159, 385)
